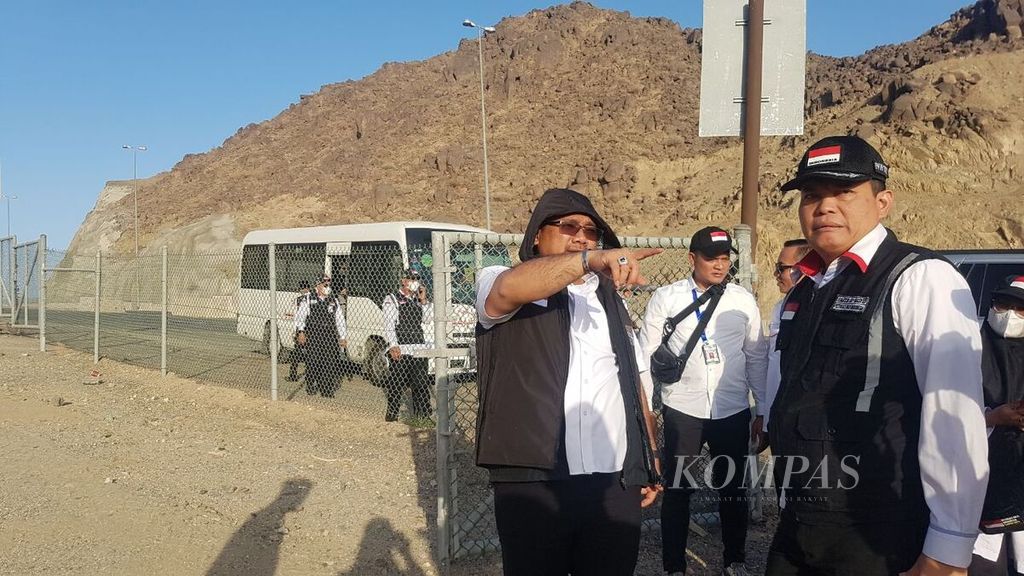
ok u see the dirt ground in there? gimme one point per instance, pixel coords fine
(143, 474)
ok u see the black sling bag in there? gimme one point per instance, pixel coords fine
(667, 367)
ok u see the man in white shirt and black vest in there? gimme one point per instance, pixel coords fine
(564, 425)
(710, 401)
(403, 329)
(786, 276)
(877, 429)
(320, 328)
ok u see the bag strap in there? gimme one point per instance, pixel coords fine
(702, 324)
(671, 323)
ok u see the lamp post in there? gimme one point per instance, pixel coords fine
(135, 203)
(480, 30)
(7, 197)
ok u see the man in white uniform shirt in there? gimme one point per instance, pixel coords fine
(710, 403)
(564, 427)
(786, 276)
(880, 386)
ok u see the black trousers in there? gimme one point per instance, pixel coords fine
(684, 437)
(408, 372)
(875, 549)
(296, 356)
(588, 525)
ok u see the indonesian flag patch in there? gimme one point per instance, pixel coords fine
(790, 310)
(826, 155)
(1018, 282)
(719, 237)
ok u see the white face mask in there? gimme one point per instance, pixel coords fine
(327, 290)
(414, 286)
(1006, 323)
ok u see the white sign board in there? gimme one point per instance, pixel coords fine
(783, 67)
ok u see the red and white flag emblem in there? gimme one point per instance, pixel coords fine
(719, 237)
(1018, 282)
(790, 310)
(826, 155)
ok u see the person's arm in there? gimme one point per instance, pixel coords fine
(339, 323)
(301, 314)
(755, 350)
(389, 310)
(934, 312)
(654, 322)
(541, 277)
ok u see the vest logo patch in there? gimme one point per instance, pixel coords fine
(851, 303)
(790, 310)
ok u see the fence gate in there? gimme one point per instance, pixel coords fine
(7, 277)
(29, 298)
(465, 518)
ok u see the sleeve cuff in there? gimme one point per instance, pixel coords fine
(948, 547)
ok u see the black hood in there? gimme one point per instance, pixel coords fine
(559, 202)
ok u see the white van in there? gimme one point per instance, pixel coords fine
(365, 261)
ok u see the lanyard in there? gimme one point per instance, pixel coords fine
(703, 337)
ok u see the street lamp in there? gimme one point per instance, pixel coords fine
(480, 30)
(135, 202)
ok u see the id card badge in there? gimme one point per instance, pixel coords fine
(711, 354)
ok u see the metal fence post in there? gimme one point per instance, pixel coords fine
(440, 270)
(745, 272)
(163, 311)
(41, 247)
(273, 320)
(96, 316)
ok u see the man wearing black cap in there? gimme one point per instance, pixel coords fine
(403, 329)
(564, 425)
(709, 403)
(1002, 371)
(320, 328)
(877, 428)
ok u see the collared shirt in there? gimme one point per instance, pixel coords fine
(389, 310)
(934, 312)
(774, 377)
(595, 415)
(715, 390)
(302, 313)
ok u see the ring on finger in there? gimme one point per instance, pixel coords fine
(623, 261)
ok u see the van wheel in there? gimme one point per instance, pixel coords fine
(375, 362)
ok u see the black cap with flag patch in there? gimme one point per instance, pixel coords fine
(844, 158)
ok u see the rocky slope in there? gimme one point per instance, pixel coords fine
(606, 103)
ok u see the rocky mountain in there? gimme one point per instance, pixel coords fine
(605, 103)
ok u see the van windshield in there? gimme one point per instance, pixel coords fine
(465, 259)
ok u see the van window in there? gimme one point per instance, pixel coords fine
(297, 263)
(255, 273)
(375, 269)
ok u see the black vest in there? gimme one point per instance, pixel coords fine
(849, 398)
(320, 321)
(410, 320)
(523, 366)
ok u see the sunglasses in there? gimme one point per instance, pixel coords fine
(569, 228)
(781, 268)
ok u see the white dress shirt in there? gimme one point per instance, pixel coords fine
(595, 416)
(302, 314)
(934, 312)
(711, 390)
(774, 377)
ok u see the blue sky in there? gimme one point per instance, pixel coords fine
(80, 79)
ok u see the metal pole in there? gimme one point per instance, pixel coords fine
(163, 311)
(273, 321)
(42, 292)
(96, 315)
(135, 203)
(483, 125)
(25, 295)
(440, 268)
(745, 265)
(752, 118)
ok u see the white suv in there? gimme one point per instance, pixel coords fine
(984, 269)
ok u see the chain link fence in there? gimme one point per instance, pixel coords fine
(466, 502)
(7, 276)
(28, 264)
(383, 329)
